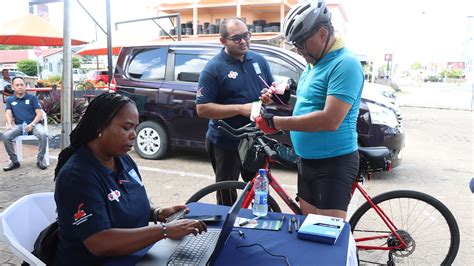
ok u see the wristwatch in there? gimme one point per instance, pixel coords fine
(33, 124)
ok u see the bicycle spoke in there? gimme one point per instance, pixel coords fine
(419, 223)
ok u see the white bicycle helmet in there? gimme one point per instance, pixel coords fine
(303, 19)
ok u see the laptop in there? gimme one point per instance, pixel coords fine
(179, 252)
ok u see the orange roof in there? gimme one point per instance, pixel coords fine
(12, 56)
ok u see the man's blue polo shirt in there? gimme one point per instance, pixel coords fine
(339, 74)
(91, 198)
(226, 80)
(23, 108)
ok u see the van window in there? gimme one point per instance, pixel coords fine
(189, 66)
(148, 64)
(282, 68)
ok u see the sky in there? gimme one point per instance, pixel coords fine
(412, 30)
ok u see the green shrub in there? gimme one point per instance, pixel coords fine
(56, 79)
(76, 62)
(27, 66)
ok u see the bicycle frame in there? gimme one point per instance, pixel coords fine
(385, 219)
(278, 189)
(295, 208)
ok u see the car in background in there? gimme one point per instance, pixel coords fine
(29, 80)
(78, 75)
(97, 76)
(162, 80)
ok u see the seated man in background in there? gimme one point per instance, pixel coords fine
(5, 79)
(5, 86)
(23, 107)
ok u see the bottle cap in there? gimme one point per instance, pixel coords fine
(262, 172)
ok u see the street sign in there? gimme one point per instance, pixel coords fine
(37, 51)
(388, 57)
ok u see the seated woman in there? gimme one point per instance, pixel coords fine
(103, 208)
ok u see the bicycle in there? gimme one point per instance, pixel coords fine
(398, 226)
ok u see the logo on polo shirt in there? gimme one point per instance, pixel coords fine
(232, 74)
(114, 195)
(80, 216)
(199, 92)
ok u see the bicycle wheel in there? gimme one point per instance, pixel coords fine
(208, 194)
(426, 225)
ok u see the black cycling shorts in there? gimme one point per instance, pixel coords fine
(326, 183)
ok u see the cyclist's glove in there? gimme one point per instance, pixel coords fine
(265, 123)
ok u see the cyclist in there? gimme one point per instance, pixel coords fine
(323, 125)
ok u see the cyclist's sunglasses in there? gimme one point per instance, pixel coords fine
(239, 37)
(300, 43)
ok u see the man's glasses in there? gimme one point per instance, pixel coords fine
(239, 37)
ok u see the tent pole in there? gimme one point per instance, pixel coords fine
(66, 88)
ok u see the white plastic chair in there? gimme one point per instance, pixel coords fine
(19, 141)
(22, 221)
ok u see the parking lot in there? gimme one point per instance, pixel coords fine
(437, 160)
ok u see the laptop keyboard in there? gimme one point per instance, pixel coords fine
(192, 251)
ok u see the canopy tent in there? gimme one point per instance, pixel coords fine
(32, 30)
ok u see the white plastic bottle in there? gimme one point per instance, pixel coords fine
(23, 128)
(260, 203)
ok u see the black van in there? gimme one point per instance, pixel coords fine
(162, 79)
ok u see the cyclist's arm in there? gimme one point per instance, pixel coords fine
(327, 119)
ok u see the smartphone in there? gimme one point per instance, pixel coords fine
(205, 218)
(176, 216)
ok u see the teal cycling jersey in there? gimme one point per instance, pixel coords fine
(339, 74)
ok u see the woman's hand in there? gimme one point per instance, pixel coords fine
(181, 228)
(167, 212)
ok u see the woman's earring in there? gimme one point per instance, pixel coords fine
(100, 135)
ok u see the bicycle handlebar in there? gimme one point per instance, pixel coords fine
(248, 130)
(268, 151)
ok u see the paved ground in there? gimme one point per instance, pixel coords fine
(437, 160)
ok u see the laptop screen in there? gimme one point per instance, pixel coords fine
(229, 223)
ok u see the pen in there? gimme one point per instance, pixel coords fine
(297, 224)
(248, 221)
(264, 82)
(281, 222)
(293, 221)
(289, 226)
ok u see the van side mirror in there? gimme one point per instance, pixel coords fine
(292, 85)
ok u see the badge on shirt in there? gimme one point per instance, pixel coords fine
(134, 175)
(257, 68)
(114, 195)
(27, 101)
(14, 103)
(232, 74)
(80, 216)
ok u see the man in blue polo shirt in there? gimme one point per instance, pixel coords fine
(23, 107)
(227, 87)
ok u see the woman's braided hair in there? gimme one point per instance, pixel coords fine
(98, 115)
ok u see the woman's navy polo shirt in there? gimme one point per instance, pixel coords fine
(226, 80)
(91, 198)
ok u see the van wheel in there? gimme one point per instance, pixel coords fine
(151, 141)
